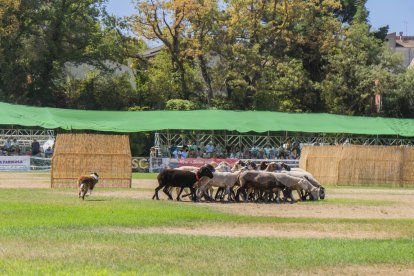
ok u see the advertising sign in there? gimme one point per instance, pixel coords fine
(140, 164)
(14, 163)
(198, 162)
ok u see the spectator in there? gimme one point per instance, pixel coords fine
(239, 154)
(295, 150)
(7, 145)
(192, 154)
(15, 149)
(173, 149)
(184, 153)
(175, 153)
(260, 154)
(219, 151)
(153, 152)
(272, 153)
(193, 147)
(281, 152)
(209, 149)
(35, 147)
(246, 153)
(48, 152)
(14, 143)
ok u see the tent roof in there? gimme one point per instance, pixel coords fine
(241, 121)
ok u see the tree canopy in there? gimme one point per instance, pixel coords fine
(276, 55)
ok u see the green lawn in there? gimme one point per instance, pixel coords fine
(53, 232)
(144, 175)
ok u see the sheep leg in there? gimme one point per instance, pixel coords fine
(238, 194)
(187, 194)
(277, 199)
(193, 195)
(218, 193)
(290, 195)
(228, 193)
(206, 194)
(179, 193)
(301, 194)
(232, 195)
(156, 192)
(166, 191)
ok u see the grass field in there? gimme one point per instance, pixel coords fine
(144, 175)
(122, 231)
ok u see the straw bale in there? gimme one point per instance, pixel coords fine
(321, 161)
(407, 170)
(360, 164)
(80, 154)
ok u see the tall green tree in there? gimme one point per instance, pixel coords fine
(356, 64)
(48, 34)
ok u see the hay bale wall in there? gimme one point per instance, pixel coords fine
(81, 154)
(347, 165)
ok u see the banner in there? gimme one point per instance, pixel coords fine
(15, 163)
(159, 164)
(140, 164)
(198, 162)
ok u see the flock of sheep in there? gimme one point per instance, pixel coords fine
(244, 181)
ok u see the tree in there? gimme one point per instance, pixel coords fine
(163, 20)
(47, 35)
(99, 91)
(355, 64)
(182, 27)
(178, 104)
(349, 9)
(398, 101)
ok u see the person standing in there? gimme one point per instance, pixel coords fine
(35, 147)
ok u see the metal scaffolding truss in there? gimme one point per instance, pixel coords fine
(25, 136)
(164, 140)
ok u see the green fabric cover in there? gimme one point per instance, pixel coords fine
(241, 121)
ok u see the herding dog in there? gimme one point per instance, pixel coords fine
(87, 183)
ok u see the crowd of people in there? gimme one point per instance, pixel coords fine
(11, 147)
(289, 150)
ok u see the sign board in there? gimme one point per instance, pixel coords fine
(15, 163)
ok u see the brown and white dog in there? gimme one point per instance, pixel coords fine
(87, 183)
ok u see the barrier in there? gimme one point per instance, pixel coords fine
(377, 165)
(15, 163)
(80, 154)
(158, 164)
(145, 164)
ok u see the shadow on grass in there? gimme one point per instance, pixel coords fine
(99, 199)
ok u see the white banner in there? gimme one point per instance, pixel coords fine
(15, 163)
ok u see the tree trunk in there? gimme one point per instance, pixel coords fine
(183, 83)
(206, 77)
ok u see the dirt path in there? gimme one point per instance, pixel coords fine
(279, 230)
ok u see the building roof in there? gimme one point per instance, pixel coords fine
(152, 52)
(405, 41)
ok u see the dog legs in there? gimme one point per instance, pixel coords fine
(82, 191)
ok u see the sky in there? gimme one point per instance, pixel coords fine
(398, 14)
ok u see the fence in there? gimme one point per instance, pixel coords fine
(25, 137)
(138, 164)
(390, 165)
(157, 164)
(164, 140)
(80, 154)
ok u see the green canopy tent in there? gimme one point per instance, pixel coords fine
(241, 121)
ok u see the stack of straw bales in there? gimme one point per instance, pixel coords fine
(81, 154)
(377, 165)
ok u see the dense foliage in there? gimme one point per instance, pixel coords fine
(296, 56)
